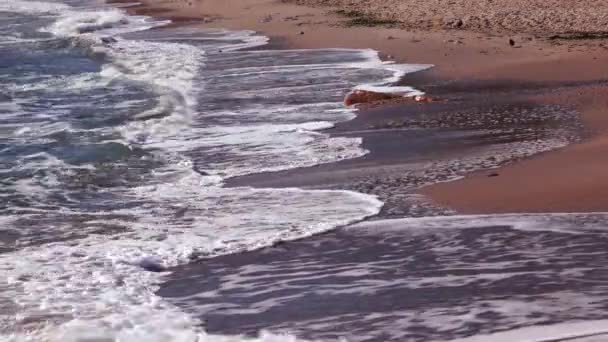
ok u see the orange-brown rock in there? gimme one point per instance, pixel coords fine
(366, 96)
(423, 98)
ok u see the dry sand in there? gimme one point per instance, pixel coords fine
(571, 179)
(541, 18)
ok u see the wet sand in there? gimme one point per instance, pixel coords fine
(477, 126)
(463, 57)
(571, 179)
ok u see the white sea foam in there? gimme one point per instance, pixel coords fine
(224, 40)
(403, 91)
(99, 22)
(77, 82)
(97, 278)
(32, 7)
(558, 222)
(586, 331)
(398, 71)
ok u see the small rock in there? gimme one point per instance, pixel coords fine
(152, 264)
(511, 42)
(301, 32)
(390, 38)
(493, 174)
(24, 277)
(161, 237)
(108, 40)
(119, 281)
(279, 243)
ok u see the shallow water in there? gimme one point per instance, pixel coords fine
(470, 278)
(116, 139)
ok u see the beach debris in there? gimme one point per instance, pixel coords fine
(267, 19)
(152, 264)
(494, 174)
(301, 32)
(390, 38)
(511, 42)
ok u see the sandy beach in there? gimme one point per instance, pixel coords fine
(303, 170)
(478, 49)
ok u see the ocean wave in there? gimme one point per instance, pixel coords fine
(114, 202)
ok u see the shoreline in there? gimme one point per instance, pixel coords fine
(458, 56)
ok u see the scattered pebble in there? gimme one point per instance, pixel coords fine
(536, 17)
